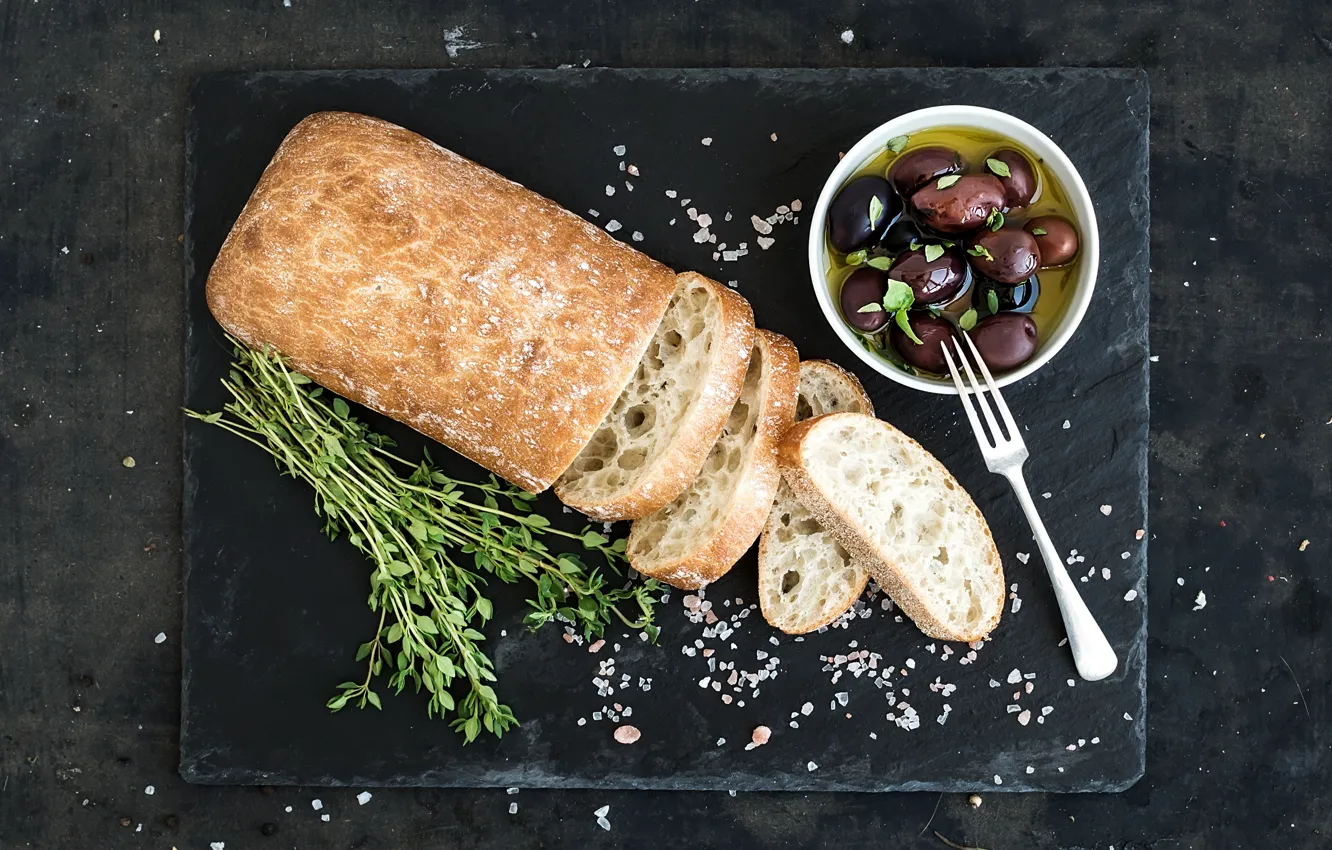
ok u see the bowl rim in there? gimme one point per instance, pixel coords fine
(991, 120)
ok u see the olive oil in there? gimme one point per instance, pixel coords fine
(1050, 198)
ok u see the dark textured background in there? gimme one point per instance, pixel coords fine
(91, 145)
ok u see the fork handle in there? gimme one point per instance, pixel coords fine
(1092, 653)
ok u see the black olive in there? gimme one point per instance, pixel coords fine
(864, 286)
(927, 355)
(1008, 255)
(934, 281)
(900, 236)
(1005, 341)
(1059, 242)
(960, 206)
(1020, 184)
(1019, 298)
(849, 225)
(913, 169)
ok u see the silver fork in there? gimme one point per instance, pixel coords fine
(1004, 455)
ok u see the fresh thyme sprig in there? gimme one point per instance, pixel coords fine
(433, 540)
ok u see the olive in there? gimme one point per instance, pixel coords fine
(1020, 184)
(900, 236)
(926, 355)
(1005, 341)
(1008, 255)
(849, 225)
(932, 281)
(1059, 242)
(1020, 298)
(959, 206)
(864, 286)
(913, 169)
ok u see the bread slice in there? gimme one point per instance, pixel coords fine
(826, 387)
(806, 579)
(898, 511)
(659, 431)
(402, 276)
(699, 536)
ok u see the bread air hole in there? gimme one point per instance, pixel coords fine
(790, 579)
(632, 459)
(638, 420)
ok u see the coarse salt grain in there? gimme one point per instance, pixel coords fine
(610, 190)
(161, 638)
(627, 734)
(707, 140)
(637, 236)
(316, 804)
(602, 812)
(363, 797)
(1106, 509)
(1023, 557)
(619, 150)
(1200, 601)
(513, 808)
(811, 767)
(612, 226)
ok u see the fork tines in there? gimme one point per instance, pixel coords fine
(973, 387)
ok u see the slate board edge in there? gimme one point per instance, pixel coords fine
(193, 771)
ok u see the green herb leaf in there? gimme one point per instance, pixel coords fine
(875, 211)
(340, 408)
(881, 263)
(374, 699)
(914, 246)
(933, 252)
(872, 307)
(426, 625)
(855, 258)
(980, 251)
(898, 143)
(395, 633)
(998, 220)
(899, 297)
(945, 182)
(592, 539)
(998, 166)
(904, 323)
(992, 301)
(968, 320)
(1038, 231)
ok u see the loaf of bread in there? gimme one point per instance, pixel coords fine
(651, 445)
(407, 278)
(697, 538)
(899, 512)
(806, 579)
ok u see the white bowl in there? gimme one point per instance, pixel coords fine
(999, 123)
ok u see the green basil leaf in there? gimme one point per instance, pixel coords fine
(992, 301)
(875, 211)
(980, 251)
(1038, 231)
(881, 263)
(915, 246)
(945, 182)
(872, 307)
(855, 258)
(905, 325)
(968, 320)
(933, 252)
(998, 166)
(899, 297)
(998, 222)
(897, 143)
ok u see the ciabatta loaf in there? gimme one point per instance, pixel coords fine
(422, 285)
(900, 513)
(806, 579)
(699, 536)
(650, 446)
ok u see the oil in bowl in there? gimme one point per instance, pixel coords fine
(951, 229)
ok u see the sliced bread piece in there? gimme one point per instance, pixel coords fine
(898, 511)
(806, 579)
(700, 535)
(659, 431)
(826, 387)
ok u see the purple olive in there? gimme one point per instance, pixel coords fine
(961, 205)
(849, 224)
(1005, 341)
(1019, 298)
(900, 236)
(1007, 256)
(927, 355)
(913, 169)
(1020, 184)
(1059, 242)
(864, 286)
(934, 281)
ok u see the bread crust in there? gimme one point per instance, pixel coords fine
(790, 457)
(424, 286)
(677, 467)
(757, 488)
(848, 381)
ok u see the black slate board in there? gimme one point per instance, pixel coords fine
(273, 611)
